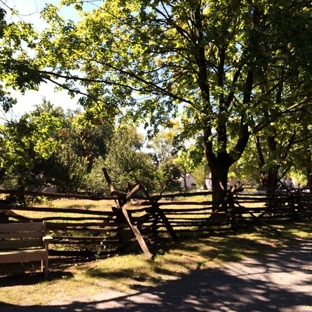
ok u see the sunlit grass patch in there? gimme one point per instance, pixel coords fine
(295, 229)
(102, 205)
(59, 207)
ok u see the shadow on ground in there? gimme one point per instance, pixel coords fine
(280, 281)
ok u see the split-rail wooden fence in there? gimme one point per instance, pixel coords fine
(98, 232)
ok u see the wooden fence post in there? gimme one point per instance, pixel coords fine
(122, 200)
(156, 209)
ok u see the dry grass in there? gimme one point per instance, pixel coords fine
(83, 204)
(66, 203)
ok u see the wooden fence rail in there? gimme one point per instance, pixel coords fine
(91, 232)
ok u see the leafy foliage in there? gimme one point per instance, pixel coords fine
(48, 147)
(126, 163)
(228, 68)
(164, 153)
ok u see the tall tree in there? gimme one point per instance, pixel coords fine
(219, 63)
(28, 146)
(47, 146)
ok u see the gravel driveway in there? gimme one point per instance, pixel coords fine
(275, 282)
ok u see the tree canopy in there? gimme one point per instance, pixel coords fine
(225, 70)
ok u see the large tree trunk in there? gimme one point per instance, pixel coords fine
(220, 162)
(269, 177)
(219, 179)
(270, 182)
(270, 185)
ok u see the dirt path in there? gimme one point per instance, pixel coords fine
(275, 282)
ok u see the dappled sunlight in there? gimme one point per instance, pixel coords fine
(251, 285)
(248, 272)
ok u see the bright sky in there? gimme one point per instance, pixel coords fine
(30, 11)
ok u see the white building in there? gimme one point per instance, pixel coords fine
(188, 182)
(208, 183)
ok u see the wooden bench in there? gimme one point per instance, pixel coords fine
(24, 242)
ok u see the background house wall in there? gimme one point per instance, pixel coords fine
(190, 182)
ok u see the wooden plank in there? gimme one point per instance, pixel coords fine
(108, 180)
(58, 195)
(136, 188)
(75, 227)
(78, 225)
(137, 234)
(166, 222)
(66, 218)
(96, 238)
(60, 210)
(18, 227)
(182, 203)
(20, 244)
(156, 209)
(17, 242)
(20, 235)
(186, 210)
(182, 195)
(23, 256)
(79, 242)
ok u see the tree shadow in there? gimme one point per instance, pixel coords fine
(29, 273)
(277, 281)
(31, 278)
